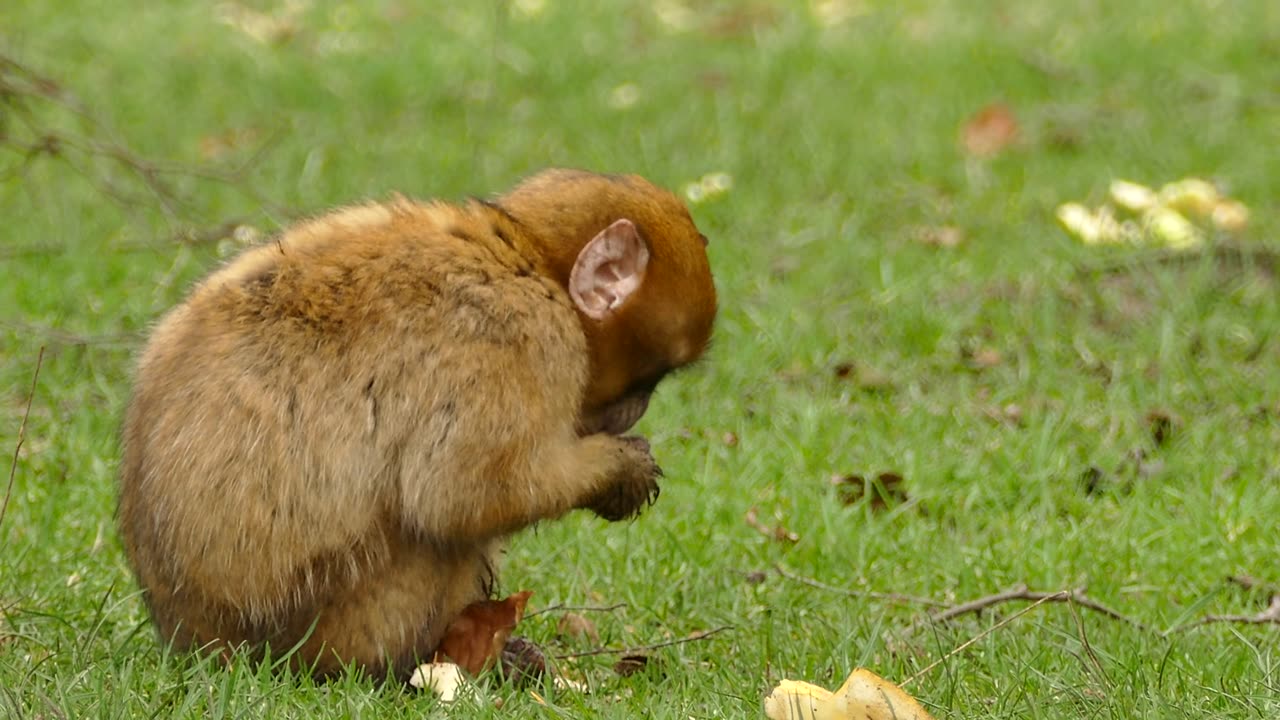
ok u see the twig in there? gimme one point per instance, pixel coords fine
(191, 236)
(22, 434)
(962, 646)
(892, 597)
(701, 635)
(1021, 593)
(1084, 642)
(561, 607)
(1249, 582)
(1265, 258)
(22, 93)
(1270, 616)
(56, 336)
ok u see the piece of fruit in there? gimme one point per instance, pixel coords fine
(864, 696)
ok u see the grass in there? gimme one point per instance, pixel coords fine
(841, 141)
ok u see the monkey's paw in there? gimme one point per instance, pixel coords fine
(634, 487)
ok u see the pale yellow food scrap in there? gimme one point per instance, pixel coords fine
(1230, 215)
(1132, 196)
(1171, 228)
(864, 696)
(444, 679)
(1192, 196)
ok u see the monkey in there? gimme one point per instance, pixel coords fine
(332, 436)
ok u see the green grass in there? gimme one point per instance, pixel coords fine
(841, 142)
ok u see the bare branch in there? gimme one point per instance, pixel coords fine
(1021, 593)
(22, 434)
(561, 607)
(891, 597)
(701, 635)
(1270, 616)
(964, 645)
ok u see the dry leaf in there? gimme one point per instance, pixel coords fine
(730, 439)
(1162, 424)
(990, 130)
(575, 626)
(476, 638)
(864, 376)
(629, 665)
(864, 696)
(884, 488)
(523, 661)
(943, 236)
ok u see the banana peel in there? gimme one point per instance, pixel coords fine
(864, 696)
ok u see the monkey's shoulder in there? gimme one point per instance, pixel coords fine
(371, 273)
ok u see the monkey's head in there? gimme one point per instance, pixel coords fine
(636, 268)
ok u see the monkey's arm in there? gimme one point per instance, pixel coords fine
(497, 448)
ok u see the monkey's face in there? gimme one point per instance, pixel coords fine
(661, 324)
(618, 416)
(636, 269)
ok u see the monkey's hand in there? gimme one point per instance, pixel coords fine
(632, 486)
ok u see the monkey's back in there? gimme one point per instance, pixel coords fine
(281, 410)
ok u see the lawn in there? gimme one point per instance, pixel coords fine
(1039, 412)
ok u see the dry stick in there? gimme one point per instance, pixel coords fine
(561, 607)
(22, 434)
(892, 597)
(1059, 596)
(1084, 641)
(1270, 616)
(56, 336)
(1264, 258)
(702, 635)
(1021, 593)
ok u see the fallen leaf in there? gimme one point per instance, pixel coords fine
(476, 638)
(884, 489)
(730, 439)
(864, 376)
(523, 661)
(990, 131)
(629, 665)
(943, 236)
(1162, 424)
(1094, 480)
(573, 625)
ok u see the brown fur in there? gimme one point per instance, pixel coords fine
(334, 431)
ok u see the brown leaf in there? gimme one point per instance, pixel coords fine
(573, 625)
(523, 661)
(885, 489)
(943, 236)
(864, 376)
(730, 439)
(1094, 480)
(1162, 425)
(217, 146)
(629, 665)
(990, 131)
(476, 638)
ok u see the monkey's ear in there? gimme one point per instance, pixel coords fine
(608, 270)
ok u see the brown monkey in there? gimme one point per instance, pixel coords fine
(330, 437)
